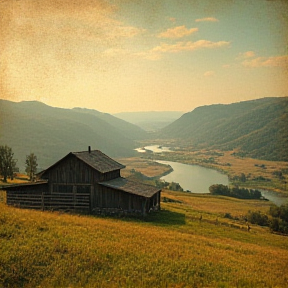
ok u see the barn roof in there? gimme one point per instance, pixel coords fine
(95, 159)
(98, 160)
(131, 187)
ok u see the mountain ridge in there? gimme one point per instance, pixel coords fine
(257, 127)
(51, 132)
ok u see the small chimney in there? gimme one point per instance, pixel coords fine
(89, 149)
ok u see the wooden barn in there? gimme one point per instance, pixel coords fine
(89, 181)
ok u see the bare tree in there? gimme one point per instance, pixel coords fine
(7, 163)
(31, 165)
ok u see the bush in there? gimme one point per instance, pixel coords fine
(279, 222)
(219, 189)
(175, 186)
(228, 215)
(256, 217)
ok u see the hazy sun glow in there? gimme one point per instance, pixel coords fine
(123, 55)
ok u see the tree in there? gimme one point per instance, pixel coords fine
(175, 186)
(7, 163)
(257, 217)
(219, 189)
(31, 165)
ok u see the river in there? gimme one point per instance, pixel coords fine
(198, 179)
(194, 178)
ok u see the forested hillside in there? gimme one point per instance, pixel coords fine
(258, 128)
(51, 132)
(255, 128)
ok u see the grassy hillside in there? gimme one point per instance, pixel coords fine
(258, 128)
(171, 248)
(51, 132)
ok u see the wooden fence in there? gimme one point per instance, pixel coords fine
(43, 201)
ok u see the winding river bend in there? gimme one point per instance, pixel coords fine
(198, 179)
(194, 178)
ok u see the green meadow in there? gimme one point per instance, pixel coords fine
(169, 248)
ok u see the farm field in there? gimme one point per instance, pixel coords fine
(169, 248)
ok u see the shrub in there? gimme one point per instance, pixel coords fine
(228, 215)
(279, 222)
(256, 217)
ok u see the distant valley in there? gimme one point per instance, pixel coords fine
(256, 129)
(150, 121)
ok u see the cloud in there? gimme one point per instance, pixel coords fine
(189, 46)
(157, 52)
(274, 61)
(127, 31)
(209, 73)
(249, 54)
(245, 55)
(207, 19)
(177, 32)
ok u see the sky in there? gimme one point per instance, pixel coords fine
(143, 55)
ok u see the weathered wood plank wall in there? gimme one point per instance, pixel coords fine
(43, 201)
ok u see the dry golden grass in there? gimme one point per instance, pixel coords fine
(218, 205)
(248, 165)
(2, 196)
(171, 248)
(147, 167)
(19, 178)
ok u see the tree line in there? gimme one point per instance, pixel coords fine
(8, 164)
(236, 192)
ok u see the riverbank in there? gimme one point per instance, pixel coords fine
(193, 178)
(248, 172)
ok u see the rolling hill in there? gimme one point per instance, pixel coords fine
(170, 248)
(51, 133)
(258, 128)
